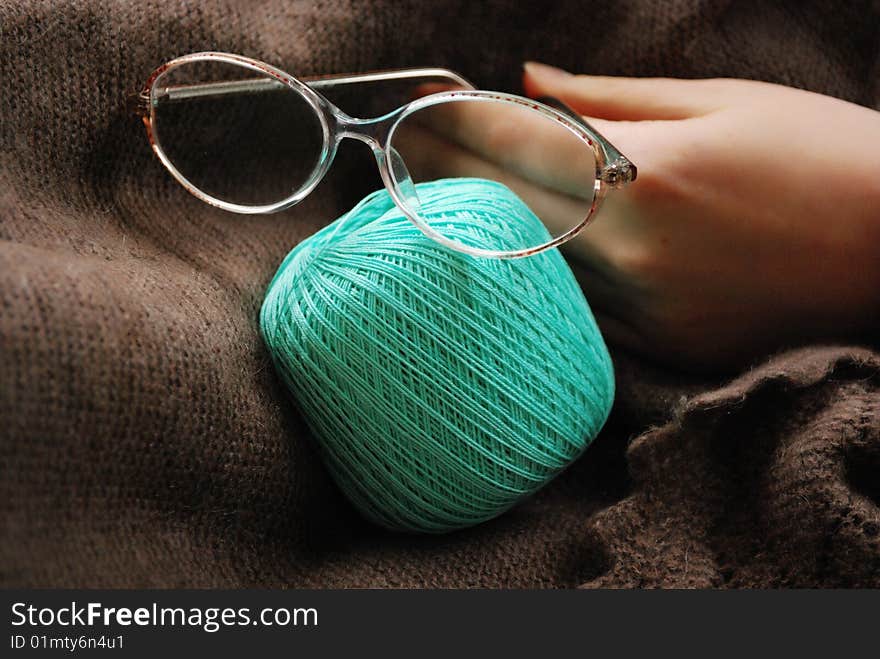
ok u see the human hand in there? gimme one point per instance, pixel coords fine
(754, 222)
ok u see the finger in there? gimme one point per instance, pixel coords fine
(515, 137)
(430, 156)
(539, 149)
(635, 99)
(644, 142)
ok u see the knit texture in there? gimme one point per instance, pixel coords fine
(145, 439)
(442, 388)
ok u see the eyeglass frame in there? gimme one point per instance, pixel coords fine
(613, 169)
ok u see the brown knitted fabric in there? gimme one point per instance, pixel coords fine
(145, 440)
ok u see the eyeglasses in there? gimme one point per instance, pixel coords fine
(249, 138)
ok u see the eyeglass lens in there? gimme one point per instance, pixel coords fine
(551, 169)
(236, 134)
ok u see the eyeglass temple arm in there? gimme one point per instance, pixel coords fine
(321, 82)
(252, 85)
(619, 170)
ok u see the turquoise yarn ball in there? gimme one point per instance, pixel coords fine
(441, 388)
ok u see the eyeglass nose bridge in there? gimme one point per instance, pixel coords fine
(374, 133)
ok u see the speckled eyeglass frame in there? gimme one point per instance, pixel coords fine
(613, 169)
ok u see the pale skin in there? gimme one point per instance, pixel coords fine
(754, 223)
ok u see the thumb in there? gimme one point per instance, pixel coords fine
(634, 99)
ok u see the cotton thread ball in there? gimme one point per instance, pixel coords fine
(441, 388)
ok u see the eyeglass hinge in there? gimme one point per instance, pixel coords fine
(138, 104)
(618, 173)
